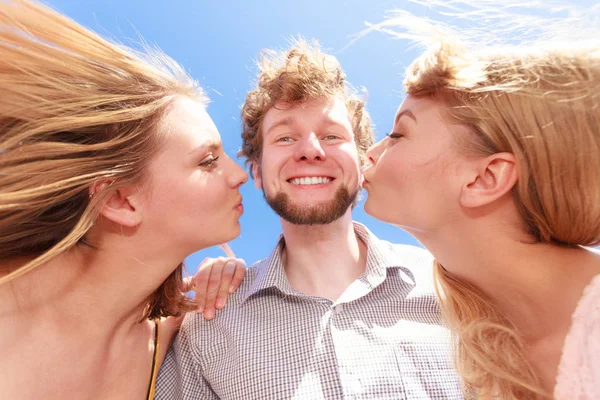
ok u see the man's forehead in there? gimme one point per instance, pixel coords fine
(332, 110)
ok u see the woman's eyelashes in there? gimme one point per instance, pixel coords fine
(209, 162)
(395, 135)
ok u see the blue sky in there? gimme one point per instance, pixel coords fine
(218, 43)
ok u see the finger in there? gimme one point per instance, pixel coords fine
(201, 282)
(226, 278)
(214, 282)
(238, 276)
(225, 247)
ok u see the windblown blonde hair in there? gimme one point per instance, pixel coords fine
(74, 109)
(300, 73)
(542, 105)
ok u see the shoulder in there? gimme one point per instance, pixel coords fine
(409, 254)
(394, 254)
(586, 319)
(194, 324)
(416, 260)
(579, 370)
(587, 314)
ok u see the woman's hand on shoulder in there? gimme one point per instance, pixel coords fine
(215, 280)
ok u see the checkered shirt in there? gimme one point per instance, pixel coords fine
(382, 339)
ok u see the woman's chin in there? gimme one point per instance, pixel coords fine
(380, 213)
(218, 238)
(229, 235)
(371, 209)
(235, 232)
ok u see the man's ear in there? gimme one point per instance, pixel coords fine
(492, 178)
(256, 174)
(121, 205)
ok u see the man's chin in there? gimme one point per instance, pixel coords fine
(302, 213)
(300, 218)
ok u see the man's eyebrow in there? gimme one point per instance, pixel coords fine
(328, 122)
(402, 113)
(283, 122)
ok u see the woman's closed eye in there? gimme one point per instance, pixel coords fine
(209, 162)
(395, 135)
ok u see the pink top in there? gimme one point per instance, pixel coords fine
(579, 368)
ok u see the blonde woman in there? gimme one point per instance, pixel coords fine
(493, 164)
(111, 173)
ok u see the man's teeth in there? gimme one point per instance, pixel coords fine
(310, 181)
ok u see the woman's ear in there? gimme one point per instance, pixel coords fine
(121, 205)
(492, 178)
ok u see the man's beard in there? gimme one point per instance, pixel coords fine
(319, 214)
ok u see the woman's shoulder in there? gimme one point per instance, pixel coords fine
(579, 370)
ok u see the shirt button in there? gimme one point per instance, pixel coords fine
(338, 309)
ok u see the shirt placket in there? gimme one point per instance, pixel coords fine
(348, 375)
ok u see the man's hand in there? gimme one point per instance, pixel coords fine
(216, 279)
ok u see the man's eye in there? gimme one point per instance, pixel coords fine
(330, 137)
(209, 162)
(284, 139)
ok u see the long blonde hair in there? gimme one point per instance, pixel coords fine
(75, 109)
(542, 105)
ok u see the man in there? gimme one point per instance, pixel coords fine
(334, 312)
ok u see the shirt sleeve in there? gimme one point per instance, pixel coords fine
(180, 376)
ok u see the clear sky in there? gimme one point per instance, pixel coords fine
(218, 42)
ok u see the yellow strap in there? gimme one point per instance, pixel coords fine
(152, 387)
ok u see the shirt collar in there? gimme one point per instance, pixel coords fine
(270, 273)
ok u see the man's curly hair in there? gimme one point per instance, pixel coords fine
(301, 73)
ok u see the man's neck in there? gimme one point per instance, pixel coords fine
(323, 260)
